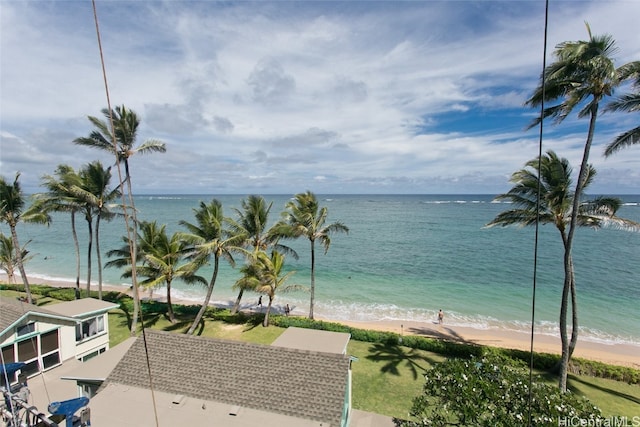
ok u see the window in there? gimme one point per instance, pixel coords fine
(49, 341)
(27, 350)
(49, 348)
(8, 356)
(89, 328)
(26, 329)
(93, 354)
(51, 360)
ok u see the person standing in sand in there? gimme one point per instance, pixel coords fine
(440, 317)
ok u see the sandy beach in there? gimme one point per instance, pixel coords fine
(615, 354)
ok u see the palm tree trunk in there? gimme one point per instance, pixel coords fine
(236, 305)
(170, 314)
(133, 248)
(99, 257)
(77, 248)
(89, 247)
(313, 279)
(564, 360)
(568, 266)
(574, 314)
(265, 322)
(25, 280)
(207, 297)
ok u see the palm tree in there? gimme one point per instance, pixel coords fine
(553, 176)
(121, 143)
(265, 276)
(163, 258)
(629, 103)
(209, 238)
(582, 75)
(305, 218)
(59, 198)
(12, 204)
(95, 195)
(8, 259)
(252, 223)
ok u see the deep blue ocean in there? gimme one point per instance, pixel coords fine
(405, 257)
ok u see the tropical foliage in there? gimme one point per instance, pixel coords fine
(581, 76)
(305, 218)
(8, 258)
(265, 275)
(493, 391)
(251, 222)
(12, 212)
(210, 238)
(630, 103)
(117, 135)
(164, 260)
(59, 197)
(542, 193)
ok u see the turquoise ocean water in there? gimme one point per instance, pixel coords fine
(405, 257)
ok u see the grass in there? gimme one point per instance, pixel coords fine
(385, 377)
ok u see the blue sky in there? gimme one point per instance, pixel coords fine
(282, 97)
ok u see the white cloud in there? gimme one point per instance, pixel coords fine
(280, 97)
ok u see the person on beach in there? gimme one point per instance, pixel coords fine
(260, 301)
(287, 310)
(440, 317)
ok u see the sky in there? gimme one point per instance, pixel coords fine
(281, 97)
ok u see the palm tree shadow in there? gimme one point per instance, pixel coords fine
(181, 324)
(441, 333)
(621, 395)
(392, 357)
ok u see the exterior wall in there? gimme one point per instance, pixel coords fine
(29, 346)
(40, 347)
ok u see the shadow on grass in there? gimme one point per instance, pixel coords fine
(586, 384)
(393, 356)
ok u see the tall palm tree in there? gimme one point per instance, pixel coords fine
(252, 223)
(265, 276)
(12, 212)
(8, 259)
(59, 198)
(95, 194)
(121, 143)
(553, 176)
(582, 75)
(305, 218)
(630, 103)
(210, 238)
(164, 261)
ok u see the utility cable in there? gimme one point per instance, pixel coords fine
(537, 227)
(130, 234)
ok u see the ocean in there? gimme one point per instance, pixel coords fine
(404, 258)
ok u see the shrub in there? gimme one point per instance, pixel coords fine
(492, 391)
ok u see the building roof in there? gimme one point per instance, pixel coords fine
(14, 312)
(314, 340)
(98, 368)
(297, 384)
(81, 308)
(127, 406)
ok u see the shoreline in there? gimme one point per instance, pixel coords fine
(613, 354)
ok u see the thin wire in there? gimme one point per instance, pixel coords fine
(537, 228)
(132, 249)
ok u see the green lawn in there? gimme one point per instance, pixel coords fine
(385, 377)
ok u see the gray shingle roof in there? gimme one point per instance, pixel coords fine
(293, 382)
